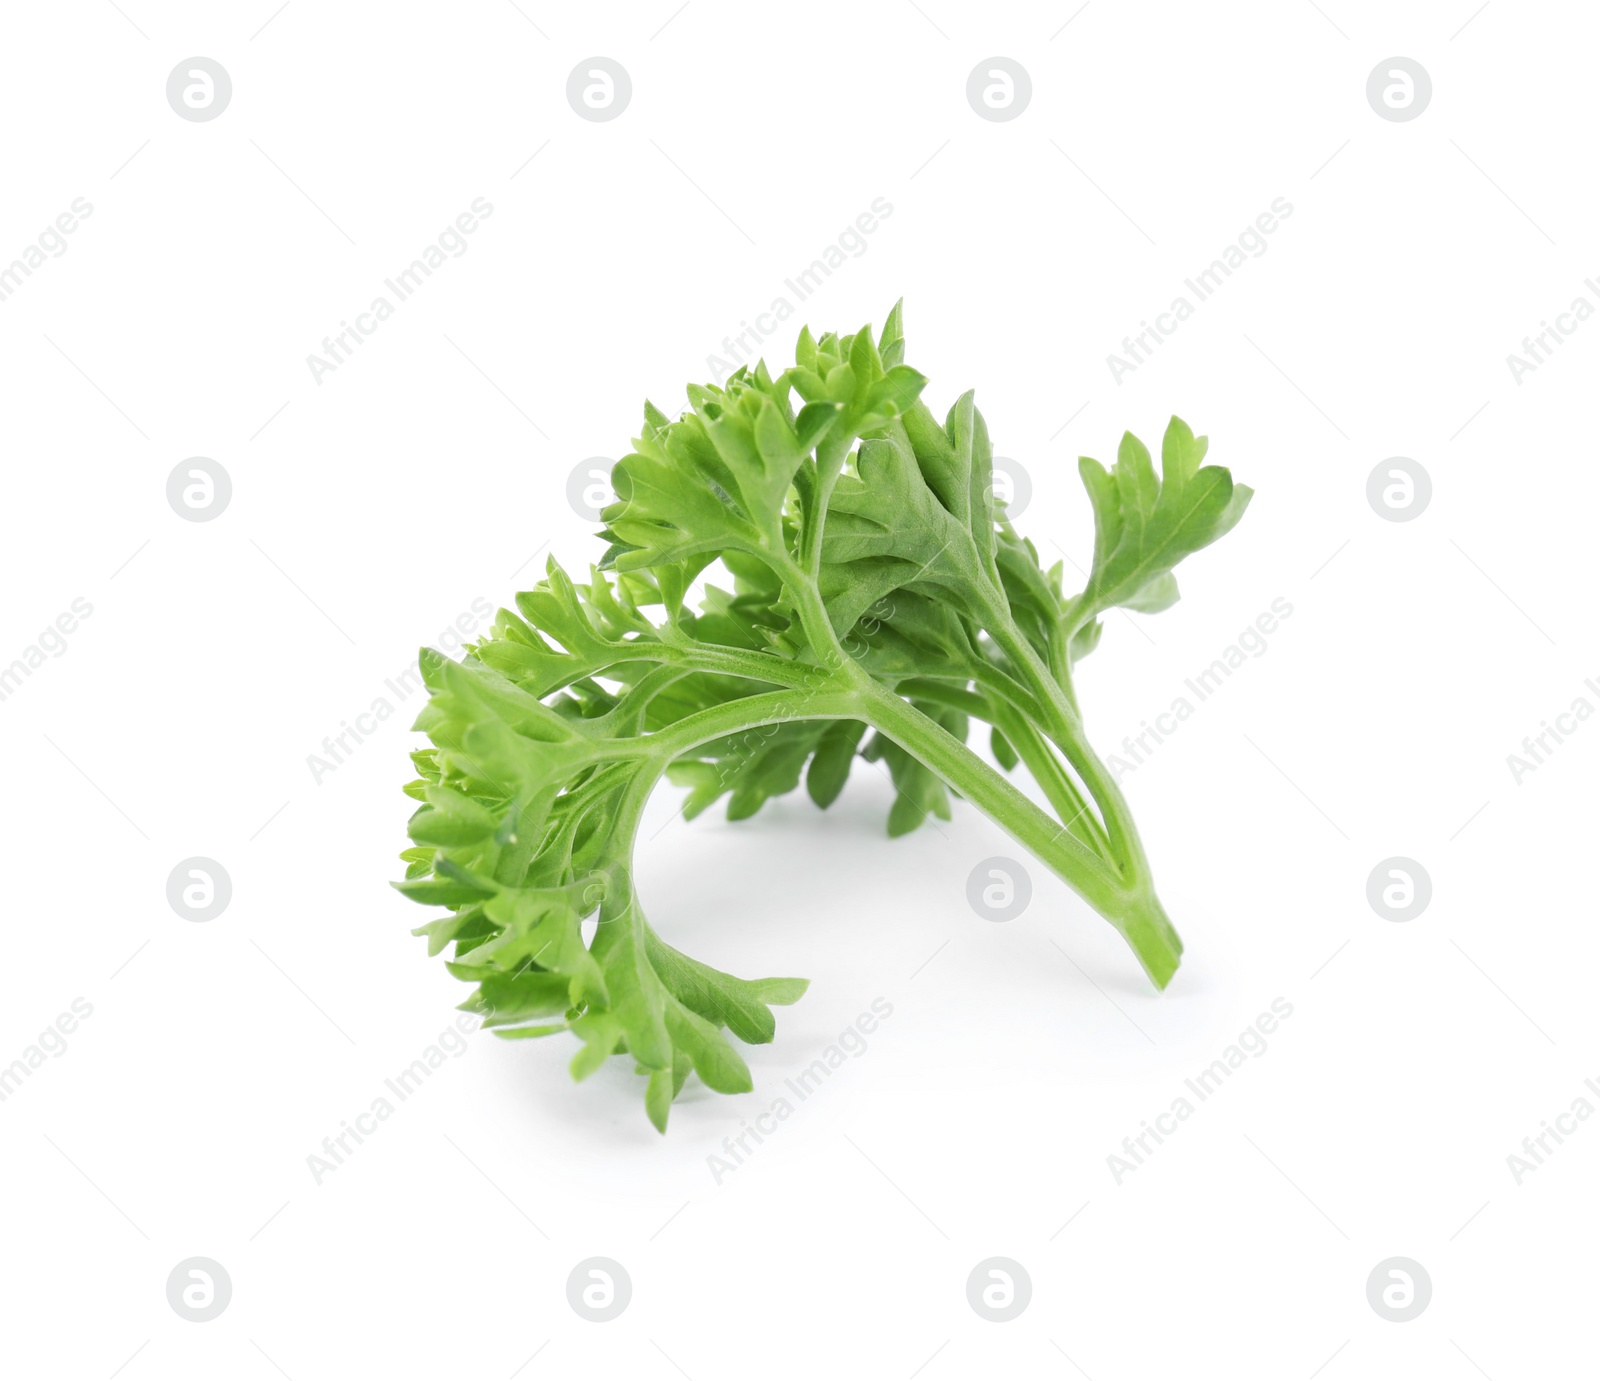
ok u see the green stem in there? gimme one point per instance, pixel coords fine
(849, 692)
(727, 661)
(959, 767)
(939, 750)
(828, 701)
(1035, 750)
(813, 612)
(1066, 728)
(1139, 916)
(1061, 791)
(831, 456)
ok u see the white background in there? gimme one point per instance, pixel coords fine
(371, 509)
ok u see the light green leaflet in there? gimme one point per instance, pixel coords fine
(880, 602)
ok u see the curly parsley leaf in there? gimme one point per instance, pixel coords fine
(836, 583)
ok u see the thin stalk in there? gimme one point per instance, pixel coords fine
(960, 768)
(1059, 788)
(1138, 914)
(1035, 751)
(1066, 728)
(944, 754)
(753, 712)
(846, 691)
(831, 456)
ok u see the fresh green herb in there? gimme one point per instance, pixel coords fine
(877, 589)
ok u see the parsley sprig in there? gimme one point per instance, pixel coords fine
(880, 603)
